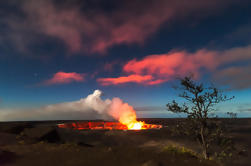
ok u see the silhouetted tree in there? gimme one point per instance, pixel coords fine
(200, 111)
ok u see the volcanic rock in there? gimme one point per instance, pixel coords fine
(47, 134)
(7, 157)
(15, 127)
(7, 139)
(150, 163)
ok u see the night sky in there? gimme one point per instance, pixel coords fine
(55, 51)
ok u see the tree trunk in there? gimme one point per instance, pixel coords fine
(203, 144)
(205, 155)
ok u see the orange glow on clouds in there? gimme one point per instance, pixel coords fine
(125, 79)
(157, 69)
(64, 78)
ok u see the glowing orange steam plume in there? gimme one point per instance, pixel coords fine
(125, 114)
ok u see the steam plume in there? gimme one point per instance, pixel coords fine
(91, 107)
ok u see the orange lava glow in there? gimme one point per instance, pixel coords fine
(126, 115)
(120, 111)
(135, 126)
(108, 126)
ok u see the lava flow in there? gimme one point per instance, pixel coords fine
(107, 126)
(116, 109)
(126, 115)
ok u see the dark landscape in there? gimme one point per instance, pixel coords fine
(125, 83)
(43, 143)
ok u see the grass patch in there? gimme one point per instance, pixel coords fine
(179, 150)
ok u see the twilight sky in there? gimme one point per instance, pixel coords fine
(57, 51)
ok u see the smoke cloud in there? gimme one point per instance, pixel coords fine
(82, 27)
(91, 107)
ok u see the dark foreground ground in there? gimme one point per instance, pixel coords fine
(43, 144)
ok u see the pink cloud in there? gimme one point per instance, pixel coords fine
(96, 30)
(172, 63)
(110, 65)
(161, 68)
(125, 79)
(64, 78)
(98, 33)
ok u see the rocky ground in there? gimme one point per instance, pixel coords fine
(42, 143)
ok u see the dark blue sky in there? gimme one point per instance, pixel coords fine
(55, 51)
